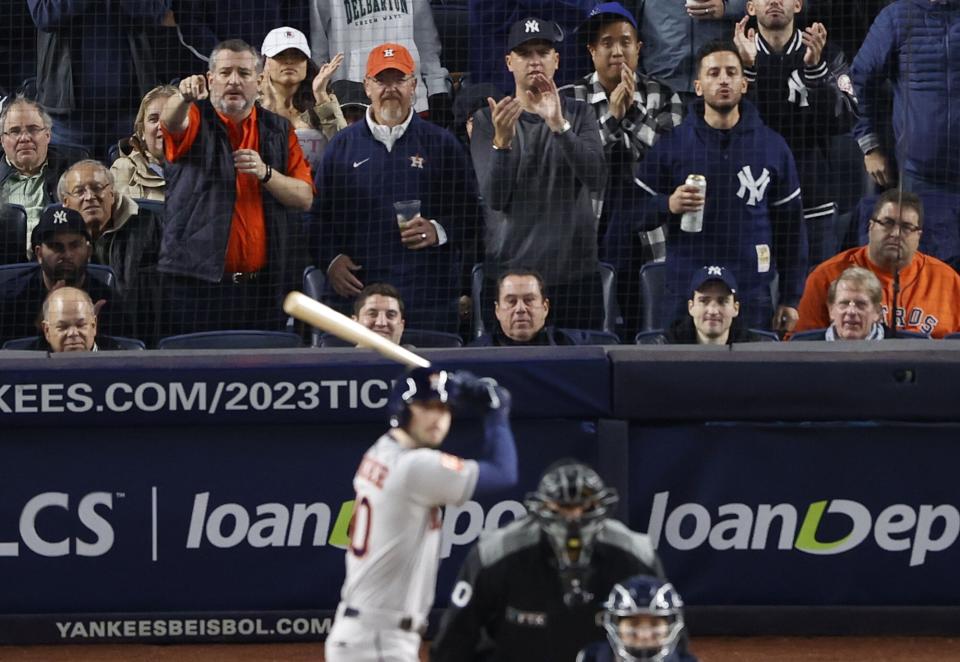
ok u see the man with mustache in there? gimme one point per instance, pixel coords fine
(62, 247)
(395, 156)
(236, 182)
(929, 288)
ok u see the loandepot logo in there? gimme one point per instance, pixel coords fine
(737, 526)
(228, 525)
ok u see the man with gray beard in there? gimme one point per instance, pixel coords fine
(236, 180)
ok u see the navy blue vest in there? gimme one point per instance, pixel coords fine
(201, 194)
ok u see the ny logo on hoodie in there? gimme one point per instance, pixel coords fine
(756, 187)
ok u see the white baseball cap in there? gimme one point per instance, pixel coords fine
(280, 39)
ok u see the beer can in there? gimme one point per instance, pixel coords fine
(692, 221)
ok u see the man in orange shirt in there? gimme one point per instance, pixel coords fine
(929, 297)
(236, 180)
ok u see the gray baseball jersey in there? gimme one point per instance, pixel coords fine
(394, 552)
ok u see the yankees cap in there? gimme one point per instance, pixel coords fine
(708, 273)
(56, 219)
(533, 29)
(389, 56)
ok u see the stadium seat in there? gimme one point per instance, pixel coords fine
(650, 337)
(768, 335)
(231, 339)
(608, 282)
(590, 337)
(415, 337)
(27, 343)
(313, 282)
(13, 234)
(651, 295)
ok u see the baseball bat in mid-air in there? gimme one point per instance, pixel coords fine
(323, 317)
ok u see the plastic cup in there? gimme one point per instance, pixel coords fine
(406, 211)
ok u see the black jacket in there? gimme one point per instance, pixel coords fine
(683, 332)
(548, 335)
(509, 596)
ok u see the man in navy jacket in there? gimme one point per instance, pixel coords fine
(394, 156)
(916, 44)
(752, 211)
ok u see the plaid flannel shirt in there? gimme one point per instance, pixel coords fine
(656, 109)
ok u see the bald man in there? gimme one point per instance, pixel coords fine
(70, 321)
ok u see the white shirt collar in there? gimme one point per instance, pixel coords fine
(388, 135)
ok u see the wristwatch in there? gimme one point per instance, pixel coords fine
(566, 127)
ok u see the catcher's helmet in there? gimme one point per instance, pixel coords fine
(644, 595)
(570, 503)
(418, 385)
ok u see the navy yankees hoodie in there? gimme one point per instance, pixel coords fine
(753, 217)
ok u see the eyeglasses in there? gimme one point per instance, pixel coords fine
(96, 190)
(33, 131)
(390, 82)
(889, 224)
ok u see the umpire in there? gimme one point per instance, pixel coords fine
(531, 591)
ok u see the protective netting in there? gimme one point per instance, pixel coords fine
(605, 155)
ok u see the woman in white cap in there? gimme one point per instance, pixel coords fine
(313, 110)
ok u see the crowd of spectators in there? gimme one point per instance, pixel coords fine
(567, 143)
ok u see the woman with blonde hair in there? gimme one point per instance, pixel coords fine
(138, 170)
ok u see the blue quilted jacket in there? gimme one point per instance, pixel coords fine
(915, 44)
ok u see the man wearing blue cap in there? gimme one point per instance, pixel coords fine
(633, 110)
(713, 313)
(539, 162)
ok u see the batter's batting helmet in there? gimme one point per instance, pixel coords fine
(644, 595)
(419, 385)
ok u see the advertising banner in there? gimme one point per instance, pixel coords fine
(176, 530)
(801, 514)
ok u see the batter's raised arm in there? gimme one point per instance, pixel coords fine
(498, 461)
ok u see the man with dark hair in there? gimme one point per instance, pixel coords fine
(633, 111)
(926, 290)
(713, 314)
(236, 180)
(674, 30)
(540, 165)
(62, 248)
(32, 166)
(521, 310)
(532, 589)
(802, 89)
(379, 307)
(752, 215)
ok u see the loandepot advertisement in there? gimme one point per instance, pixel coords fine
(784, 514)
